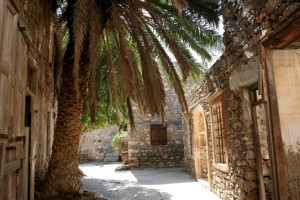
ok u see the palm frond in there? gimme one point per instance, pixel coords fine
(134, 36)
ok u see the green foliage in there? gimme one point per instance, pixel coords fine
(106, 113)
(119, 142)
(133, 37)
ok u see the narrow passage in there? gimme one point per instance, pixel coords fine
(142, 184)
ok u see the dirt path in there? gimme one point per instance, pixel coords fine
(142, 184)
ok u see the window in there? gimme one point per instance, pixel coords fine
(219, 132)
(158, 134)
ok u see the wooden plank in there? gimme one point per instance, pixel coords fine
(11, 181)
(32, 177)
(2, 3)
(20, 150)
(5, 68)
(277, 154)
(23, 187)
(12, 166)
(262, 192)
(2, 161)
(3, 92)
(8, 29)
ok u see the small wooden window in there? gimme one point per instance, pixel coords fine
(158, 134)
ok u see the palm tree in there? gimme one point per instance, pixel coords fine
(133, 35)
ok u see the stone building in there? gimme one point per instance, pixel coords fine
(26, 95)
(95, 145)
(245, 113)
(153, 144)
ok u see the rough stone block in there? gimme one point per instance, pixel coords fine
(291, 9)
(251, 175)
(247, 186)
(250, 155)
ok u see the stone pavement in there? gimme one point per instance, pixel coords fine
(142, 184)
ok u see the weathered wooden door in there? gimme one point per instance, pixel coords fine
(13, 69)
(200, 145)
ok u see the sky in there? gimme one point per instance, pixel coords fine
(215, 56)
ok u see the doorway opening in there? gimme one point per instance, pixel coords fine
(28, 119)
(200, 147)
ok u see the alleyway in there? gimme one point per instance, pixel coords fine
(142, 184)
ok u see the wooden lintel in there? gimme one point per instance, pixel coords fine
(12, 166)
(286, 39)
(285, 35)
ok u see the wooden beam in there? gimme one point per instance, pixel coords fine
(12, 166)
(2, 161)
(23, 188)
(278, 158)
(286, 34)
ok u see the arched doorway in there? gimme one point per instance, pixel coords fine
(200, 145)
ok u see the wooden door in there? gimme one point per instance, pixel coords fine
(13, 68)
(200, 151)
(7, 21)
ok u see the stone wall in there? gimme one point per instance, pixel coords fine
(95, 146)
(241, 180)
(249, 25)
(142, 153)
(272, 24)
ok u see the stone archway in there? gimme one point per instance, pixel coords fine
(200, 147)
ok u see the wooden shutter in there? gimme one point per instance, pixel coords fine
(158, 134)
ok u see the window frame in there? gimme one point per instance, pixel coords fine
(158, 129)
(215, 100)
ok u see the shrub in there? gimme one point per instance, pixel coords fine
(119, 142)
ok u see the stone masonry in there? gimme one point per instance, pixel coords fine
(248, 25)
(95, 145)
(241, 156)
(142, 153)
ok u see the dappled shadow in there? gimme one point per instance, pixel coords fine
(142, 184)
(122, 190)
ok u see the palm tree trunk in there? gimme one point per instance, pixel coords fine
(62, 178)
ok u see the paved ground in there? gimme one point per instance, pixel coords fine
(142, 184)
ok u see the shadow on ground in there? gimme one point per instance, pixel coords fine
(142, 184)
(123, 190)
